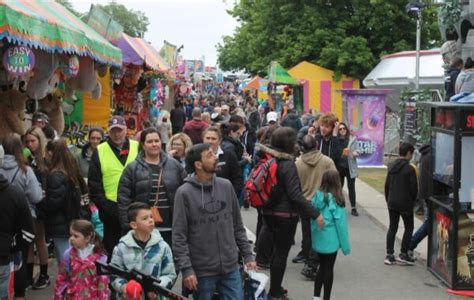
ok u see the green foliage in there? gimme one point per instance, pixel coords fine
(135, 23)
(348, 37)
(450, 14)
(67, 4)
(423, 118)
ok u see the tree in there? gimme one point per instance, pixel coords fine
(67, 4)
(135, 23)
(348, 37)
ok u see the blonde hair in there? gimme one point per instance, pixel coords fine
(184, 138)
(40, 153)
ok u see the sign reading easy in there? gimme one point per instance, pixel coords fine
(19, 60)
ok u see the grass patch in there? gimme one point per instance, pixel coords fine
(375, 177)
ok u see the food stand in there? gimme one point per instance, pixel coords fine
(451, 215)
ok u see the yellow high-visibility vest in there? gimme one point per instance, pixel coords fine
(112, 168)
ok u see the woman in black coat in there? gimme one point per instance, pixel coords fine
(286, 204)
(152, 178)
(63, 178)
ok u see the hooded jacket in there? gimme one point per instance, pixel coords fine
(401, 186)
(194, 130)
(155, 260)
(426, 184)
(292, 120)
(287, 196)
(235, 146)
(16, 224)
(208, 229)
(135, 183)
(26, 182)
(311, 167)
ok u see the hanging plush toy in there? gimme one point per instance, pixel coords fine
(39, 85)
(52, 105)
(85, 81)
(12, 108)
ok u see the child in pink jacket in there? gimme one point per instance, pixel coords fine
(77, 276)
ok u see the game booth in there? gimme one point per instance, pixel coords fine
(451, 215)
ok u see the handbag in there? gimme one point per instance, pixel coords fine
(154, 209)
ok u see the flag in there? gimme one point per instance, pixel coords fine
(168, 52)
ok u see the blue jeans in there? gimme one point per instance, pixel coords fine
(60, 246)
(229, 287)
(421, 233)
(5, 272)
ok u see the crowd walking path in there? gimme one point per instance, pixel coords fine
(362, 275)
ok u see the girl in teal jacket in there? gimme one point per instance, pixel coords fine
(326, 241)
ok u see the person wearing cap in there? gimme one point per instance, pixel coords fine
(106, 167)
(225, 115)
(272, 118)
(40, 119)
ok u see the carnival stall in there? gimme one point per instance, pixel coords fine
(144, 83)
(320, 88)
(45, 47)
(281, 89)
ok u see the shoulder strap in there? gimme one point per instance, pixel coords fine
(158, 187)
(14, 175)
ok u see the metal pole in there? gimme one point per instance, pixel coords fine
(418, 42)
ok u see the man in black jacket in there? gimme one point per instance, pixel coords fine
(177, 118)
(401, 189)
(451, 76)
(328, 143)
(16, 228)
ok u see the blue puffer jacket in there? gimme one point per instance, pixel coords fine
(334, 235)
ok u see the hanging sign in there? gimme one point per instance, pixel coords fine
(19, 60)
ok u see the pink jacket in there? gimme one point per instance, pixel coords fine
(77, 279)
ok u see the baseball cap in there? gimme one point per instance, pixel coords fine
(117, 122)
(2, 155)
(272, 117)
(40, 117)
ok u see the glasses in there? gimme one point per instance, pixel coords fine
(342, 128)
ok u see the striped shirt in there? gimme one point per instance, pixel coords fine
(164, 205)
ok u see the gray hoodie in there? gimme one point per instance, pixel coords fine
(25, 181)
(208, 229)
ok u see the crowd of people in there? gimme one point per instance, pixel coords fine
(168, 201)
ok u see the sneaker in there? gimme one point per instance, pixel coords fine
(354, 212)
(42, 282)
(412, 255)
(406, 259)
(29, 284)
(390, 259)
(309, 272)
(300, 258)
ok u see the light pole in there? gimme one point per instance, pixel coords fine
(414, 9)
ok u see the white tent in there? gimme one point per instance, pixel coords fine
(397, 71)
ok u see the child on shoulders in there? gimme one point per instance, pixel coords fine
(143, 249)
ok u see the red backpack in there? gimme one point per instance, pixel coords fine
(262, 180)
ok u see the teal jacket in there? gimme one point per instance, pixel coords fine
(334, 235)
(156, 260)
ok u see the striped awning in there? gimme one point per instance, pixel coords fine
(49, 26)
(138, 51)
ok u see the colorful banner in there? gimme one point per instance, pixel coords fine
(168, 52)
(104, 24)
(365, 116)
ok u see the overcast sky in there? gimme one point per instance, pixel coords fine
(197, 24)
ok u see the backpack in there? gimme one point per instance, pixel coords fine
(78, 205)
(261, 181)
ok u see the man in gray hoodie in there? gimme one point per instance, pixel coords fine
(208, 232)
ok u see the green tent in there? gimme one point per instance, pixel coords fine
(49, 26)
(279, 75)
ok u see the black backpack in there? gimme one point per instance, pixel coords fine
(77, 206)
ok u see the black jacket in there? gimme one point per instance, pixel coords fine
(331, 148)
(135, 183)
(401, 186)
(229, 168)
(450, 82)
(107, 209)
(249, 139)
(235, 146)
(426, 183)
(292, 120)
(177, 118)
(54, 206)
(16, 224)
(287, 196)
